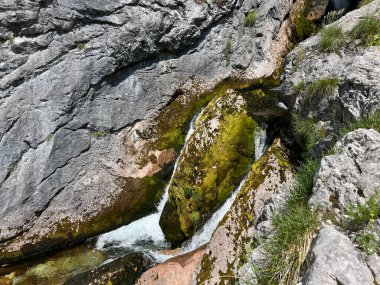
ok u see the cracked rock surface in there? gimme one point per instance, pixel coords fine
(76, 77)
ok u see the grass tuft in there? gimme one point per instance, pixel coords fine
(250, 19)
(367, 30)
(321, 88)
(294, 228)
(371, 121)
(364, 2)
(332, 39)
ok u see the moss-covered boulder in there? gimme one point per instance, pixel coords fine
(213, 162)
(271, 174)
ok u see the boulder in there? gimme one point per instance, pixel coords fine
(334, 260)
(210, 167)
(178, 270)
(351, 175)
(270, 176)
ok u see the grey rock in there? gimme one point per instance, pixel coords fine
(356, 68)
(373, 262)
(69, 70)
(334, 260)
(351, 175)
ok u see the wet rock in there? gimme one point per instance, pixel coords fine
(177, 270)
(350, 176)
(212, 164)
(88, 77)
(271, 175)
(335, 260)
(121, 271)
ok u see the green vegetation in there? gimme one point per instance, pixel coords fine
(371, 121)
(300, 56)
(367, 30)
(293, 232)
(332, 39)
(364, 2)
(361, 219)
(80, 45)
(299, 87)
(98, 134)
(305, 132)
(250, 19)
(301, 26)
(321, 88)
(213, 164)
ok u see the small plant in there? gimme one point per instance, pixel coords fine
(364, 2)
(98, 134)
(361, 219)
(321, 88)
(367, 30)
(300, 56)
(333, 16)
(250, 19)
(294, 228)
(81, 45)
(299, 87)
(371, 121)
(332, 39)
(305, 132)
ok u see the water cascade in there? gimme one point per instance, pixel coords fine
(146, 235)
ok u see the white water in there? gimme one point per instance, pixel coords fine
(145, 231)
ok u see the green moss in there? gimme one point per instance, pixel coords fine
(332, 39)
(228, 50)
(214, 163)
(250, 19)
(207, 266)
(367, 30)
(301, 26)
(98, 134)
(80, 45)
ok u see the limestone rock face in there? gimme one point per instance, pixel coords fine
(269, 176)
(81, 84)
(354, 69)
(335, 260)
(350, 176)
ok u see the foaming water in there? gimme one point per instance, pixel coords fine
(145, 232)
(146, 235)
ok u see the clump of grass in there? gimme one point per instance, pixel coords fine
(367, 30)
(332, 17)
(80, 46)
(300, 56)
(250, 19)
(321, 88)
(294, 228)
(299, 87)
(305, 132)
(98, 134)
(371, 121)
(361, 219)
(332, 39)
(364, 2)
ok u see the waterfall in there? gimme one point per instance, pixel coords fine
(145, 232)
(146, 235)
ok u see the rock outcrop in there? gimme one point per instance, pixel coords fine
(334, 260)
(81, 87)
(333, 88)
(351, 175)
(269, 176)
(213, 162)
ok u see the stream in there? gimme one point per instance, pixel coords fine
(145, 235)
